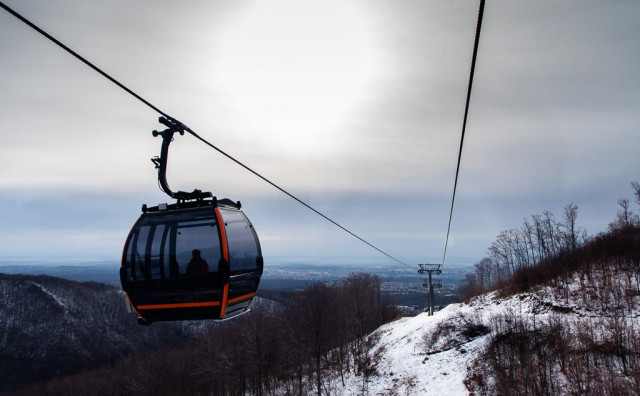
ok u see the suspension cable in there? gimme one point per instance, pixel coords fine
(187, 129)
(464, 122)
(282, 190)
(79, 57)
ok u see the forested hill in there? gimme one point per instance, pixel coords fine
(51, 327)
(315, 336)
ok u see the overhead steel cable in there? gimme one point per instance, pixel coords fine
(464, 122)
(187, 129)
(79, 57)
(294, 197)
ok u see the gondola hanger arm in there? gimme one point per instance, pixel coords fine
(160, 162)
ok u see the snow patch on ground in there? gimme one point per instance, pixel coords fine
(406, 366)
(54, 297)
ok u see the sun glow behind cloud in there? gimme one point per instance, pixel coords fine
(294, 71)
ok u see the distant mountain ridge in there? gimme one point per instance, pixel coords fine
(49, 327)
(103, 272)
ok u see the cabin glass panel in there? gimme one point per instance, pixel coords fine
(140, 262)
(201, 235)
(159, 252)
(244, 248)
(128, 255)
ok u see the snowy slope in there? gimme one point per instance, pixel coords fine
(432, 355)
(405, 368)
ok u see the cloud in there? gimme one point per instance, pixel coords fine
(553, 119)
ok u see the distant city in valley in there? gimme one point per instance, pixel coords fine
(404, 287)
(401, 284)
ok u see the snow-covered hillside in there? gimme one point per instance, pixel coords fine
(439, 354)
(405, 367)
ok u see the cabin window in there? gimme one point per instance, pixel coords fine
(201, 235)
(159, 257)
(243, 244)
(140, 262)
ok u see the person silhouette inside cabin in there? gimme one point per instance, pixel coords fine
(198, 266)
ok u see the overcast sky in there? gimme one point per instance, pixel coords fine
(354, 106)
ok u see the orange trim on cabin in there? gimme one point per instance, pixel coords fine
(180, 305)
(225, 255)
(223, 234)
(225, 297)
(246, 296)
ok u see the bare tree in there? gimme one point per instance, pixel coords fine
(502, 252)
(625, 214)
(295, 349)
(541, 241)
(625, 217)
(318, 301)
(483, 274)
(636, 190)
(551, 232)
(569, 215)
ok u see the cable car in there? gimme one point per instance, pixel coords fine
(198, 258)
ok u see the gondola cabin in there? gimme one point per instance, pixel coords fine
(191, 260)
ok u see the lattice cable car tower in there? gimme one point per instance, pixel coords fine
(430, 269)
